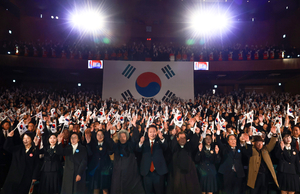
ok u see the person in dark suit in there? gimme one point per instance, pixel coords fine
(207, 156)
(24, 167)
(231, 166)
(5, 156)
(153, 166)
(51, 170)
(99, 163)
(288, 167)
(75, 165)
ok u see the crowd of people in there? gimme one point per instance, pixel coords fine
(140, 52)
(76, 142)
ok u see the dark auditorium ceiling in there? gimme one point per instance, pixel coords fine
(244, 9)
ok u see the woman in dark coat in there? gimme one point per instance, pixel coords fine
(125, 178)
(75, 165)
(207, 157)
(99, 165)
(51, 171)
(24, 167)
(288, 166)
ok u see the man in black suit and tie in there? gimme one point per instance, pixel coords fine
(153, 165)
(231, 166)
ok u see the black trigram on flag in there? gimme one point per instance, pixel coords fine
(127, 94)
(128, 71)
(168, 96)
(168, 71)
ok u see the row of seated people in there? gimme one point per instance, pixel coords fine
(140, 52)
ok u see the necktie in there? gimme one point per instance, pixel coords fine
(152, 165)
(297, 145)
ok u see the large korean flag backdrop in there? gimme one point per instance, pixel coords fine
(145, 79)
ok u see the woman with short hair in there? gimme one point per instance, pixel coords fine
(24, 167)
(288, 166)
(99, 165)
(75, 165)
(51, 170)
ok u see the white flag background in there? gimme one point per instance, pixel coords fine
(160, 80)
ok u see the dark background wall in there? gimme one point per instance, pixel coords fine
(258, 75)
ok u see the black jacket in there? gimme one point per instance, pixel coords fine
(207, 160)
(288, 161)
(230, 159)
(75, 164)
(24, 167)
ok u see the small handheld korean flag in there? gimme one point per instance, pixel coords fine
(82, 127)
(52, 111)
(178, 120)
(289, 111)
(150, 121)
(256, 131)
(217, 120)
(122, 119)
(250, 117)
(77, 113)
(41, 126)
(53, 127)
(22, 128)
(161, 127)
(39, 115)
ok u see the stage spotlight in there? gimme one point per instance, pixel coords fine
(88, 20)
(79, 84)
(208, 22)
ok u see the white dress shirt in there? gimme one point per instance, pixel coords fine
(74, 147)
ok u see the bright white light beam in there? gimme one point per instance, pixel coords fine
(207, 23)
(88, 20)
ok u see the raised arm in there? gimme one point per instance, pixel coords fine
(272, 142)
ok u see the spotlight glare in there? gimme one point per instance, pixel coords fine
(14, 81)
(284, 36)
(88, 20)
(209, 22)
(79, 84)
(215, 86)
(52, 17)
(279, 84)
